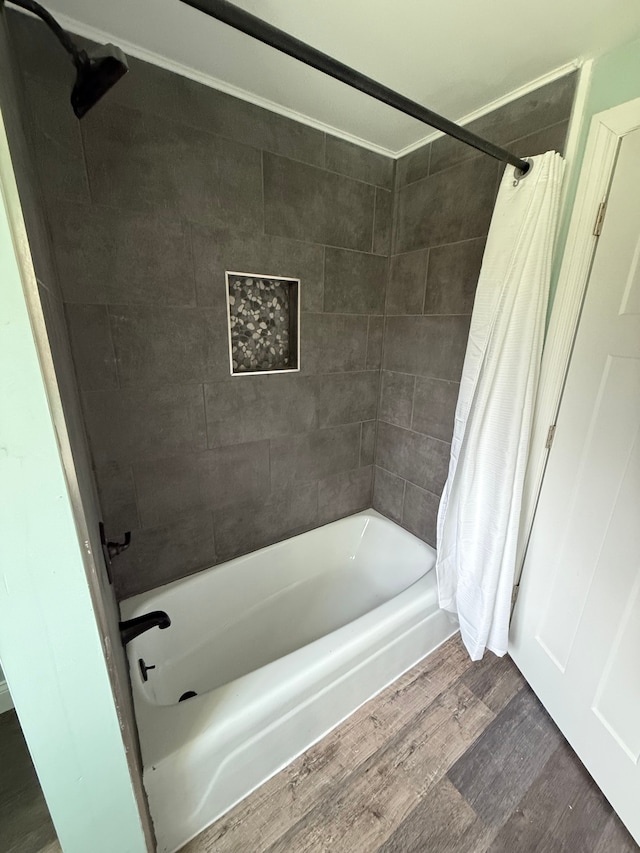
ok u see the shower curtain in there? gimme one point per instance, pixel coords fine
(480, 507)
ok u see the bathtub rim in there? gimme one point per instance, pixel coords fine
(131, 606)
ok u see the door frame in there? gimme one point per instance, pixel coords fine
(50, 643)
(605, 134)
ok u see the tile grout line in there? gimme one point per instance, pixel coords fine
(413, 403)
(373, 222)
(425, 286)
(405, 480)
(416, 432)
(264, 206)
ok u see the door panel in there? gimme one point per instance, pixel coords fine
(576, 627)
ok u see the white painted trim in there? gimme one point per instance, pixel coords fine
(227, 291)
(576, 124)
(6, 703)
(132, 49)
(606, 132)
(538, 450)
(529, 87)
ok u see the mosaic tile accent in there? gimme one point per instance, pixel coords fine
(263, 322)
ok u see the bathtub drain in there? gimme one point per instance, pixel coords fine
(187, 695)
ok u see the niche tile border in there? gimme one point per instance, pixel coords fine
(263, 323)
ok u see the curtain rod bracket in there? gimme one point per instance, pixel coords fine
(521, 174)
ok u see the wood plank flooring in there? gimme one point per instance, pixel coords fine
(25, 824)
(454, 757)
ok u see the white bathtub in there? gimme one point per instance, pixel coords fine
(280, 646)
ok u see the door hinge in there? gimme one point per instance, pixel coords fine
(550, 436)
(597, 228)
(514, 597)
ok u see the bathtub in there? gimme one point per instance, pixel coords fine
(279, 646)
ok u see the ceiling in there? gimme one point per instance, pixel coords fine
(455, 57)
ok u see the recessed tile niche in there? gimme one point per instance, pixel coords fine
(263, 313)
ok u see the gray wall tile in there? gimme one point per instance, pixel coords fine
(543, 107)
(343, 494)
(176, 174)
(250, 408)
(426, 346)
(314, 455)
(407, 282)
(548, 139)
(236, 473)
(357, 162)
(396, 398)
(447, 207)
(253, 525)
(117, 498)
(57, 143)
(420, 513)
(244, 122)
(216, 251)
(417, 458)
(453, 276)
(145, 423)
(36, 53)
(382, 222)
(119, 256)
(162, 554)
(374, 343)
(413, 166)
(155, 345)
(168, 489)
(145, 163)
(332, 343)
(388, 494)
(92, 346)
(306, 203)
(434, 407)
(354, 282)
(368, 443)
(347, 397)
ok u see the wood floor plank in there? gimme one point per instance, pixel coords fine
(359, 818)
(271, 811)
(552, 795)
(25, 823)
(442, 822)
(454, 756)
(615, 838)
(494, 680)
(496, 772)
(428, 747)
(399, 704)
(581, 825)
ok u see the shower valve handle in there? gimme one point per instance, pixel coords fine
(115, 548)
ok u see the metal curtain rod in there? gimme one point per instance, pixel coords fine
(253, 26)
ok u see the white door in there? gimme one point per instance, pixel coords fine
(576, 628)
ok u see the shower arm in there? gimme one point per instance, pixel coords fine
(62, 35)
(259, 29)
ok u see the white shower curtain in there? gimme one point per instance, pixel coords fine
(480, 507)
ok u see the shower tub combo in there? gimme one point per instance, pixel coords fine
(268, 653)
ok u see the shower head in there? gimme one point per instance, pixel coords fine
(97, 71)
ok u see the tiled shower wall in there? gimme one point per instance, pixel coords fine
(164, 185)
(444, 198)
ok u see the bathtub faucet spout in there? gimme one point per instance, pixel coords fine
(139, 624)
